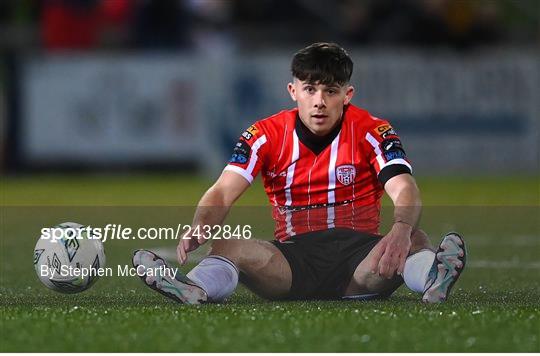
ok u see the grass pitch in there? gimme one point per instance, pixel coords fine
(493, 308)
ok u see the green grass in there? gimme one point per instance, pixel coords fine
(186, 190)
(494, 307)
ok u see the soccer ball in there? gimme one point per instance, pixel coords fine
(67, 258)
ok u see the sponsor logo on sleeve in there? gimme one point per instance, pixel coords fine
(241, 152)
(387, 133)
(382, 128)
(392, 149)
(394, 155)
(250, 132)
(391, 144)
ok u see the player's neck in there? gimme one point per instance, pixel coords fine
(316, 143)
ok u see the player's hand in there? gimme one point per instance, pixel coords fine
(188, 243)
(392, 251)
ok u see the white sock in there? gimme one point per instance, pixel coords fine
(416, 270)
(217, 275)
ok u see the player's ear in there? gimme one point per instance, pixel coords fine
(349, 93)
(292, 91)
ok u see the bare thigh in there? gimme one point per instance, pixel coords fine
(263, 268)
(365, 282)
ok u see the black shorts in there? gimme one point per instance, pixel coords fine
(323, 262)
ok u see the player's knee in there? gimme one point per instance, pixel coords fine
(419, 241)
(231, 249)
(382, 285)
(367, 283)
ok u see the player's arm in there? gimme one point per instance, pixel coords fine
(403, 191)
(212, 210)
(394, 172)
(244, 164)
(393, 249)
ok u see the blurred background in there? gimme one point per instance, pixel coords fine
(169, 85)
(124, 111)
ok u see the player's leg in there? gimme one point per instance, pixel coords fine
(446, 268)
(419, 262)
(151, 269)
(365, 283)
(263, 268)
(260, 265)
(434, 273)
(427, 272)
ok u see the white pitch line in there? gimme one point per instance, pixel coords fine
(169, 254)
(509, 264)
(498, 240)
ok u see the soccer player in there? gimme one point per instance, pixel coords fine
(325, 166)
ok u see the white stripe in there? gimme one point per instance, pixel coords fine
(309, 193)
(248, 172)
(332, 170)
(376, 148)
(374, 143)
(360, 296)
(253, 160)
(332, 181)
(288, 217)
(289, 180)
(240, 171)
(279, 158)
(380, 159)
(283, 142)
(353, 146)
(398, 161)
(330, 217)
(290, 170)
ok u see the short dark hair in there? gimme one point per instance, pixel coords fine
(323, 63)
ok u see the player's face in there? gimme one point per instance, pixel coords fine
(320, 106)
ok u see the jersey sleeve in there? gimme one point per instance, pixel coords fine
(386, 153)
(248, 153)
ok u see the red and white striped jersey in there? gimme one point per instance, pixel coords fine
(317, 183)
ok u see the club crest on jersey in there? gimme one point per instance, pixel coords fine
(346, 174)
